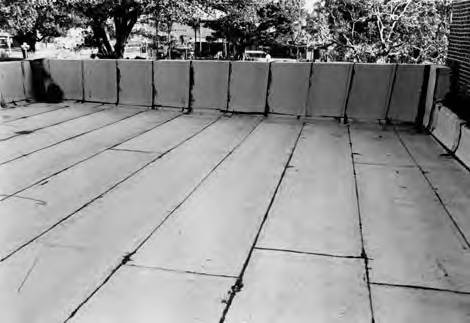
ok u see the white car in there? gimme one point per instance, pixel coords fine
(256, 56)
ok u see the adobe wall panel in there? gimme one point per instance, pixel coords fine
(135, 83)
(248, 86)
(28, 84)
(100, 80)
(406, 93)
(463, 151)
(11, 81)
(210, 85)
(288, 89)
(329, 88)
(67, 74)
(446, 127)
(370, 91)
(171, 82)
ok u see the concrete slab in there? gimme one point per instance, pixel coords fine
(285, 287)
(446, 127)
(47, 282)
(403, 305)
(429, 105)
(375, 144)
(135, 83)
(316, 208)
(100, 80)
(427, 152)
(138, 294)
(463, 150)
(26, 144)
(26, 216)
(26, 111)
(41, 121)
(329, 88)
(68, 75)
(11, 81)
(24, 172)
(453, 187)
(233, 200)
(370, 91)
(171, 82)
(248, 86)
(157, 140)
(143, 201)
(407, 233)
(210, 89)
(28, 80)
(81, 253)
(406, 93)
(288, 89)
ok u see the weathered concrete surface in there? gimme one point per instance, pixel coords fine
(406, 93)
(446, 127)
(27, 80)
(288, 89)
(45, 283)
(370, 91)
(179, 129)
(408, 235)
(316, 208)
(26, 144)
(375, 144)
(135, 83)
(41, 121)
(76, 257)
(463, 150)
(329, 85)
(235, 211)
(426, 151)
(109, 168)
(139, 294)
(38, 208)
(68, 75)
(210, 89)
(24, 172)
(248, 86)
(453, 186)
(284, 287)
(171, 81)
(404, 305)
(26, 111)
(11, 81)
(100, 80)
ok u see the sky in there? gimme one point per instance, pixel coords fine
(309, 4)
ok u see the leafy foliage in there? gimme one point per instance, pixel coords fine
(31, 21)
(405, 31)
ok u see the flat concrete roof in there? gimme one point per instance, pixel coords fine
(125, 214)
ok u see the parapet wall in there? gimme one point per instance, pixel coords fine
(355, 91)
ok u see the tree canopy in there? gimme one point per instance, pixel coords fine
(31, 21)
(406, 31)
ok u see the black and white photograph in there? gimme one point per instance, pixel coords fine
(234, 161)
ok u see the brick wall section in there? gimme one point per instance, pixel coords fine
(459, 46)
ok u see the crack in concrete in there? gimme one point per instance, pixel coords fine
(238, 286)
(179, 271)
(465, 243)
(128, 256)
(420, 288)
(28, 273)
(309, 253)
(361, 231)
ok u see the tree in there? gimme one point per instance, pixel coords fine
(33, 21)
(403, 31)
(262, 23)
(165, 13)
(106, 17)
